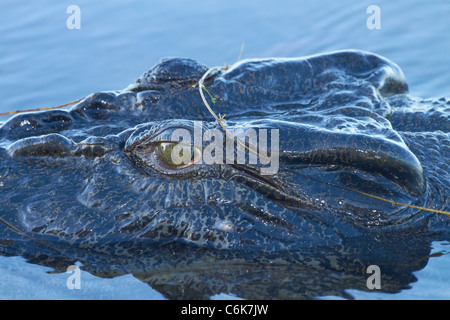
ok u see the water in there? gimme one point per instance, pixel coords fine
(43, 64)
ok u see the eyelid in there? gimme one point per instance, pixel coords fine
(166, 137)
(142, 148)
(147, 158)
(197, 155)
(148, 134)
(154, 143)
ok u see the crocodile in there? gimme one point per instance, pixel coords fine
(94, 184)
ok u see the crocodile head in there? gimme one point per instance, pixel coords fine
(145, 181)
(101, 171)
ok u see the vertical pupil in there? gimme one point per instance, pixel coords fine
(165, 152)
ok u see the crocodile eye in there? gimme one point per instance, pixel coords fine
(177, 155)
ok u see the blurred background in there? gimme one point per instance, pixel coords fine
(44, 64)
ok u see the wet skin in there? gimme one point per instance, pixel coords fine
(95, 177)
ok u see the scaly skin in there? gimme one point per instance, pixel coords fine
(87, 184)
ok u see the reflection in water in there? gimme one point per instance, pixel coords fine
(180, 271)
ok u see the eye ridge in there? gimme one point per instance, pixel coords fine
(168, 156)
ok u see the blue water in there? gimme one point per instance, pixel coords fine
(44, 64)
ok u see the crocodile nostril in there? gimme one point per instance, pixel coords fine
(54, 145)
(98, 106)
(35, 124)
(26, 124)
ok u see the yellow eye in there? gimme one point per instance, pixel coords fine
(178, 155)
